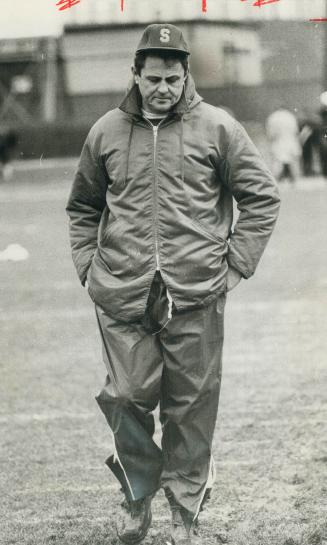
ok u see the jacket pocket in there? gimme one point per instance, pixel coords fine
(215, 238)
(109, 230)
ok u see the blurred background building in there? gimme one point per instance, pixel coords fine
(249, 59)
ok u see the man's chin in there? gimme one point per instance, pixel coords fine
(161, 106)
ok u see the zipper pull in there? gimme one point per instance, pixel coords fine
(155, 134)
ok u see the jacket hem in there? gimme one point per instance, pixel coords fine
(180, 306)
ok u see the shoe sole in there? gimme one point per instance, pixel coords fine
(139, 539)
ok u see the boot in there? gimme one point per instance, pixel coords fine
(179, 533)
(135, 521)
(183, 531)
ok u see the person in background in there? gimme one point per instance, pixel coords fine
(8, 144)
(309, 126)
(151, 213)
(284, 140)
(323, 133)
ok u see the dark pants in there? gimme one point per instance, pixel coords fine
(175, 362)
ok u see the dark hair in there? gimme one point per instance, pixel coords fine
(164, 54)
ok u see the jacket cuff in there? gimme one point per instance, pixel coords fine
(82, 273)
(240, 267)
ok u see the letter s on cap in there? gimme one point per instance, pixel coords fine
(165, 35)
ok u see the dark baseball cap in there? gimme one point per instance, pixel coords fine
(163, 37)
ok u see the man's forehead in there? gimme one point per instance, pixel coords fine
(159, 66)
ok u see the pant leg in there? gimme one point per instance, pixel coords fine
(307, 156)
(192, 350)
(132, 390)
(323, 160)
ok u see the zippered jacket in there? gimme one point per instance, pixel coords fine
(148, 197)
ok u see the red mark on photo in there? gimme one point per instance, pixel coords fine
(121, 5)
(260, 3)
(204, 6)
(66, 4)
(319, 20)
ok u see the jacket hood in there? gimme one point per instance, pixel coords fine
(132, 103)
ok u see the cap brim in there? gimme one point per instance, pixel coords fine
(163, 49)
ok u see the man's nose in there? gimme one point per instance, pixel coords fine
(163, 87)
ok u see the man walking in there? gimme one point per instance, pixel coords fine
(150, 226)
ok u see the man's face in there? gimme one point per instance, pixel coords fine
(160, 84)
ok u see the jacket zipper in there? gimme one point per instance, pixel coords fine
(155, 129)
(155, 138)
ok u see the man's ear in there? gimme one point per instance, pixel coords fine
(136, 76)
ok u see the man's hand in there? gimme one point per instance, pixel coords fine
(233, 278)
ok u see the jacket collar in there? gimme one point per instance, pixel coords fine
(132, 102)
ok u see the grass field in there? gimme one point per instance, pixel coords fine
(271, 440)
